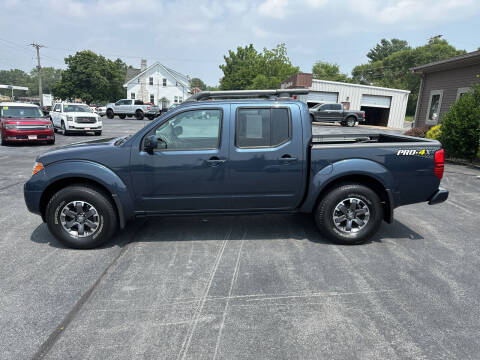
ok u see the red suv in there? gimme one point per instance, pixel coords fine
(24, 122)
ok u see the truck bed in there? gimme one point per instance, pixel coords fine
(372, 138)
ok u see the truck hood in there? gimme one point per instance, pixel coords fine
(26, 121)
(88, 150)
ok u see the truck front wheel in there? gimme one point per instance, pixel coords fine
(349, 214)
(110, 114)
(81, 216)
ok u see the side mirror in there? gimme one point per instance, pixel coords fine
(150, 143)
(178, 130)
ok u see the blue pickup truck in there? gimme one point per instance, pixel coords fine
(230, 153)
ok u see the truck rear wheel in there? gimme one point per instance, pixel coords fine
(349, 214)
(110, 114)
(122, 116)
(81, 216)
(139, 114)
(151, 117)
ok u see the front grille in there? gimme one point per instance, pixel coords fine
(25, 137)
(31, 127)
(85, 120)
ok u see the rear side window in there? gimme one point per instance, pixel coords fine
(266, 127)
(336, 107)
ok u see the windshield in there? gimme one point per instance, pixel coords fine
(76, 108)
(22, 112)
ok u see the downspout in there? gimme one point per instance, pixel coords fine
(420, 93)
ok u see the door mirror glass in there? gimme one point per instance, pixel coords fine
(150, 143)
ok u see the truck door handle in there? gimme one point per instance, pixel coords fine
(215, 161)
(288, 157)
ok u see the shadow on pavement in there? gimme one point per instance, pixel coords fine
(208, 228)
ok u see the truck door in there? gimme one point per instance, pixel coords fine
(336, 112)
(55, 115)
(324, 113)
(187, 172)
(266, 161)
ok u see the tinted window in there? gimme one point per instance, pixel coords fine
(76, 108)
(262, 127)
(191, 130)
(336, 106)
(23, 112)
(325, 107)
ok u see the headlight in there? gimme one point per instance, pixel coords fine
(69, 118)
(38, 166)
(49, 126)
(10, 126)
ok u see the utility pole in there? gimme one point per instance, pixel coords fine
(40, 90)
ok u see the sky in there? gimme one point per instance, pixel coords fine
(193, 36)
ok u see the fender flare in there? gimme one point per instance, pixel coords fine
(346, 168)
(97, 173)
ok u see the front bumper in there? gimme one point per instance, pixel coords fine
(32, 199)
(84, 127)
(440, 196)
(33, 135)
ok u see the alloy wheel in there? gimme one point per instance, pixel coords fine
(351, 215)
(79, 218)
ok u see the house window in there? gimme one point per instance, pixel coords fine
(164, 82)
(152, 98)
(132, 96)
(434, 105)
(150, 81)
(175, 99)
(180, 99)
(462, 91)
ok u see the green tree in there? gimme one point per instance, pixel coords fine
(248, 69)
(327, 71)
(386, 48)
(197, 82)
(91, 77)
(460, 127)
(394, 70)
(50, 76)
(14, 77)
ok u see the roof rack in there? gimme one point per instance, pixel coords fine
(247, 94)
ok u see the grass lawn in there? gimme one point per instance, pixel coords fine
(409, 118)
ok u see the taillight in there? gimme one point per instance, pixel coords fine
(363, 114)
(439, 163)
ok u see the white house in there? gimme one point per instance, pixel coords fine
(157, 84)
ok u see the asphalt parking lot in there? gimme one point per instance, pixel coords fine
(264, 287)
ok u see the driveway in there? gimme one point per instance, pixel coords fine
(263, 287)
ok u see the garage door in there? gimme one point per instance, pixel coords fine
(322, 96)
(376, 101)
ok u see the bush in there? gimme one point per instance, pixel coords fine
(417, 131)
(434, 133)
(460, 133)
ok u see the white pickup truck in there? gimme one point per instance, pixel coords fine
(73, 117)
(129, 107)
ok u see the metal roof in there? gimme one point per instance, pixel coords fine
(360, 86)
(467, 59)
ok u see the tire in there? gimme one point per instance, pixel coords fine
(80, 200)
(343, 123)
(64, 129)
(98, 133)
(4, 142)
(139, 114)
(122, 116)
(351, 121)
(329, 208)
(110, 114)
(151, 117)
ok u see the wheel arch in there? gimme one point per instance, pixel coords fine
(360, 171)
(367, 181)
(79, 172)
